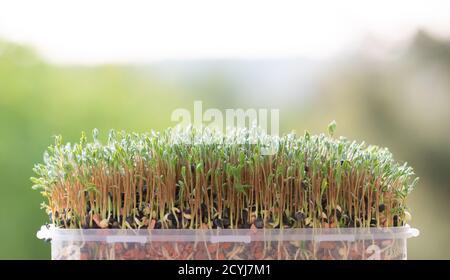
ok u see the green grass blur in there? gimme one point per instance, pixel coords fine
(401, 103)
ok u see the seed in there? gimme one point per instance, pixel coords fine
(95, 226)
(286, 220)
(259, 223)
(140, 213)
(171, 217)
(395, 221)
(96, 219)
(145, 221)
(299, 216)
(308, 221)
(226, 222)
(204, 210)
(158, 225)
(226, 212)
(152, 224)
(187, 216)
(104, 223)
(253, 218)
(130, 220)
(244, 226)
(337, 212)
(218, 223)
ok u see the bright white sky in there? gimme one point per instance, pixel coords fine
(95, 31)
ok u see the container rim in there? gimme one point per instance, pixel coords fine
(50, 232)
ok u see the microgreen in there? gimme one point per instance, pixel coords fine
(165, 180)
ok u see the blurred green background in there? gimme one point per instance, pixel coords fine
(401, 101)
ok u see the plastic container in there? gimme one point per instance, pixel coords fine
(239, 244)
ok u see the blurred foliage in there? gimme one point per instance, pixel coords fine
(401, 103)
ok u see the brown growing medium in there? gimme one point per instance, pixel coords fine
(191, 180)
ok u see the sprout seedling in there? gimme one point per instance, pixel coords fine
(154, 180)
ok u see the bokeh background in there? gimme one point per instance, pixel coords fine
(390, 94)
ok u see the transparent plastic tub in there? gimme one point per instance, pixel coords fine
(229, 244)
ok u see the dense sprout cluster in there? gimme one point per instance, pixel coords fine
(194, 179)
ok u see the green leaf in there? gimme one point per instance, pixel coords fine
(95, 134)
(332, 128)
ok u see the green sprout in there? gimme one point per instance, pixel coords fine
(165, 180)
